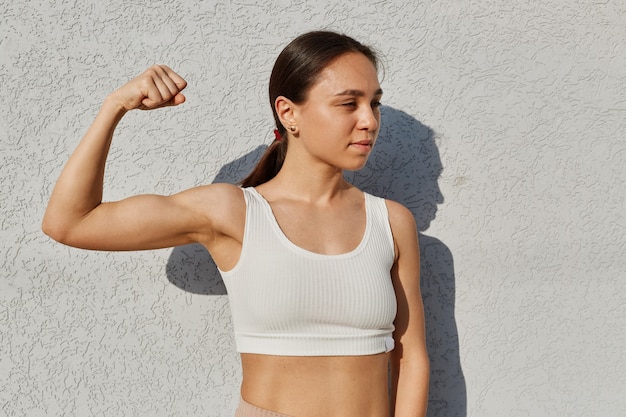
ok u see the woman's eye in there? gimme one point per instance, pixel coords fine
(376, 104)
(350, 104)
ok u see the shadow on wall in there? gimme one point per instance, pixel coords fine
(405, 167)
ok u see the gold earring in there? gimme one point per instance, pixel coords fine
(292, 128)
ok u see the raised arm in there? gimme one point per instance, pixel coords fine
(410, 368)
(76, 215)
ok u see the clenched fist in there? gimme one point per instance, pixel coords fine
(157, 87)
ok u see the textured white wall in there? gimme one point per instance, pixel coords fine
(505, 119)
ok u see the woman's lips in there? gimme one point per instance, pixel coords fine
(363, 145)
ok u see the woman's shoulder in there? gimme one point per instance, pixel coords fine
(222, 193)
(219, 202)
(399, 215)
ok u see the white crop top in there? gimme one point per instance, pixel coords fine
(288, 301)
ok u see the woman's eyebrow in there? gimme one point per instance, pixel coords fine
(359, 93)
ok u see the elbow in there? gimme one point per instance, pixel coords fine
(54, 229)
(68, 229)
(417, 360)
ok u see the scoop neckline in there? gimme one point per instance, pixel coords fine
(283, 237)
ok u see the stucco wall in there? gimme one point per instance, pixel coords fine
(504, 132)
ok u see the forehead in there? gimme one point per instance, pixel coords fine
(351, 71)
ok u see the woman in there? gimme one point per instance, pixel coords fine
(323, 279)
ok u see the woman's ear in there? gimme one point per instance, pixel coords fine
(285, 109)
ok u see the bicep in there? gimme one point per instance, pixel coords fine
(136, 223)
(145, 222)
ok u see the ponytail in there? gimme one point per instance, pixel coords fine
(268, 166)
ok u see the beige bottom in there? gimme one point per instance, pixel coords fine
(246, 409)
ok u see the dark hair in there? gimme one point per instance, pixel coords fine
(295, 71)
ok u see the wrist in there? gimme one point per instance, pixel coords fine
(114, 104)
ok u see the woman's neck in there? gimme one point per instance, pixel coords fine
(313, 182)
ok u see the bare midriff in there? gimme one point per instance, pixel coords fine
(329, 386)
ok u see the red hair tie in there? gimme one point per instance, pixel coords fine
(277, 135)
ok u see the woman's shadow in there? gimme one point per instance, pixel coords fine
(405, 167)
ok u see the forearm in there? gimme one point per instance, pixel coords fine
(80, 185)
(410, 388)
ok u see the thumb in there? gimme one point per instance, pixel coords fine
(178, 99)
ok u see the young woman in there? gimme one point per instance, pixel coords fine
(323, 279)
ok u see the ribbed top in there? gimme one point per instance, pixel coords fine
(286, 300)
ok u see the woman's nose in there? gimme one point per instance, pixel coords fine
(369, 118)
